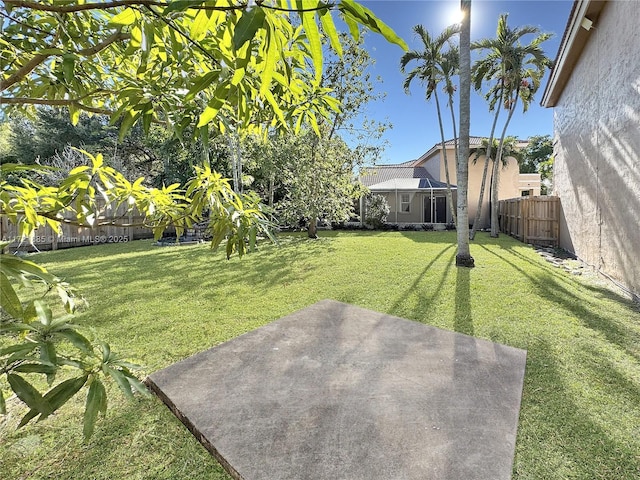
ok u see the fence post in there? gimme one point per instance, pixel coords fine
(525, 220)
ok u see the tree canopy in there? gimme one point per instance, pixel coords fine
(191, 65)
(227, 64)
(537, 157)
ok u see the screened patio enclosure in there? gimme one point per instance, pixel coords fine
(416, 200)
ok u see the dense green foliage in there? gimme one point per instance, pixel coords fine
(376, 209)
(317, 180)
(202, 66)
(578, 417)
(537, 157)
(32, 338)
(228, 65)
(46, 136)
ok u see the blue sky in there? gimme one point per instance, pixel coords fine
(415, 124)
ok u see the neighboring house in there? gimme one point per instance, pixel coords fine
(417, 193)
(595, 91)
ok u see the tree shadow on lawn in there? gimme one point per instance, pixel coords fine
(189, 308)
(463, 321)
(185, 269)
(425, 297)
(606, 292)
(552, 285)
(560, 435)
(138, 439)
(573, 386)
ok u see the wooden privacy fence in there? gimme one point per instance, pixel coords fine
(45, 238)
(532, 220)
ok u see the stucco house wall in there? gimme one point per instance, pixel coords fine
(434, 164)
(428, 202)
(509, 182)
(413, 216)
(597, 142)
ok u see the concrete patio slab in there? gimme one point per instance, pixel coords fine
(336, 392)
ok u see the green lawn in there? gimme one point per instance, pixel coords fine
(580, 415)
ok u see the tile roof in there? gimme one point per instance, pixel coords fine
(409, 184)
(386, 177)
(412, 169)
(383, 173)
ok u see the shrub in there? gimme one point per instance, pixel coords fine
(377, 210)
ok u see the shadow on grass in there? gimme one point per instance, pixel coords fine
(130, 427)
(552, 286)
(560, 435)
(424, 298)
(602, 292)
(183, 269)
(463, 321)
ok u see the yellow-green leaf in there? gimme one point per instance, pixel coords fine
(238, 75)
(9, 299)
(210, 112)
(200, 24)
(313, 35)
(126, 17)
(354, 12)
(276, 108)
(269, 63)
(74, 114)
(330, 29)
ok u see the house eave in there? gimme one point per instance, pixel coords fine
(411, 190)
(573, 42)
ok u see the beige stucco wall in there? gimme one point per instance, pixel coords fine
(509, 182)
(597, 148)
(433, 167)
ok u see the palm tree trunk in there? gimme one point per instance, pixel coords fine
(463, 256)
(455, 142)
(444, 157)
(495, 226)
(476, 220)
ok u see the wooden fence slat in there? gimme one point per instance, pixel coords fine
(531, 219)
(45, 238)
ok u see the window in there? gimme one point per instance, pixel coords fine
(405, 203)
(526, 193)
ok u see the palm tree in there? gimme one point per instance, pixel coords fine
(515, 72)
(430, 71)
(450, 67)
(463, 256)
(509, 149)
(488, 145)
